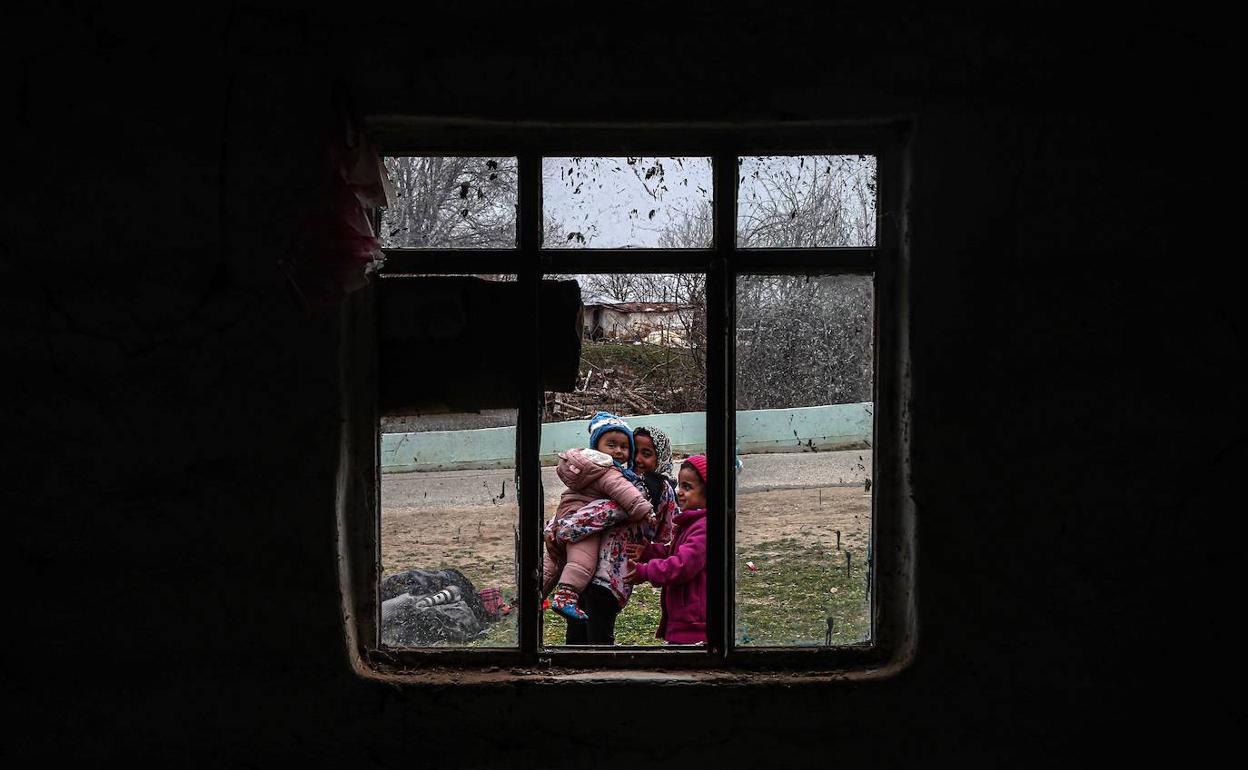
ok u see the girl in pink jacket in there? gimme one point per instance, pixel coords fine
(600, 477)
(680, 568)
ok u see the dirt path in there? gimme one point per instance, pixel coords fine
(481, 541)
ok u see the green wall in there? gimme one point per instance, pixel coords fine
(805, 429)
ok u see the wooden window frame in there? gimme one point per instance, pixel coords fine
(892, 613)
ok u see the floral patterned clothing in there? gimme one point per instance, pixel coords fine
(601, 516)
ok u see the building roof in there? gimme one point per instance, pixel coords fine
(640, 307)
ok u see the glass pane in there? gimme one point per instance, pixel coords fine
(644, 361)
(500, 277)
(450, 203)
(626, 203)
(449, 515)
(806, 201)
(804, 431)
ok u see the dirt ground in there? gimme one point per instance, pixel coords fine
(481, 541)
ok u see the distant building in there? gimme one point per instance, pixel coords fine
(660, 323)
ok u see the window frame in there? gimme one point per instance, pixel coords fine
(892, 611)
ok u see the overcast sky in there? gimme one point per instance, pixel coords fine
(610, 202)
(614, 204)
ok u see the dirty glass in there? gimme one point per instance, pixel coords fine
(449, 517)
(625, 203)
(643, 359)
(806, 201)
(450, 203)
(804, 350)
(501, 277)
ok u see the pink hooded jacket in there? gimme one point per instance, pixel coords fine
(591, 475)
(680, 570)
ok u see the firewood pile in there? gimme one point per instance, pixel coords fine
(614, 389)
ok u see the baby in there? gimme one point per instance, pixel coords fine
(600, 477)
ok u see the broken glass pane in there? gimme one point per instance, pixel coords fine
(626, 203)
(450, 203)
(804, 436)
(806, 201)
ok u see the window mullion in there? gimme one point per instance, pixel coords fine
(573, 261)
(720, 422)
(528, 224)
(450, 261)
(815, 261)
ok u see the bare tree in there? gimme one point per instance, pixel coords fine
(803, 340)
(451, 203)
(691, 230)
(620, 287)
(808, 201)
(552, 232)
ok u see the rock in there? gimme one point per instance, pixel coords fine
(404, 624)
(421, 582)
(407, 619)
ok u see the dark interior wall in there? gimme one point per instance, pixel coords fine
(174, 414)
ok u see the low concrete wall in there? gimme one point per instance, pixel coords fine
(805, 429)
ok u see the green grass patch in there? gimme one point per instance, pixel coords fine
(637, 359)
(505, 631)
(635, 624)
(796, 589)
(785, 603)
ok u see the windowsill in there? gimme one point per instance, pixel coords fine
(446, 676)
(500, 676)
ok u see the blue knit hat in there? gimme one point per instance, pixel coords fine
(605, 421)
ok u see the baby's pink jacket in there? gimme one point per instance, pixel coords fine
(590, 475)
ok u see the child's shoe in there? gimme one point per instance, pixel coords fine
(563, 601)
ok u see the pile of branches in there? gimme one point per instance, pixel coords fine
(614, 389)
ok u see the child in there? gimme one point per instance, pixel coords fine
(603, 491)
(680, 568)
(653, 461)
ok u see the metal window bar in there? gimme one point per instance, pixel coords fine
(890, 621)
(528, 223)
